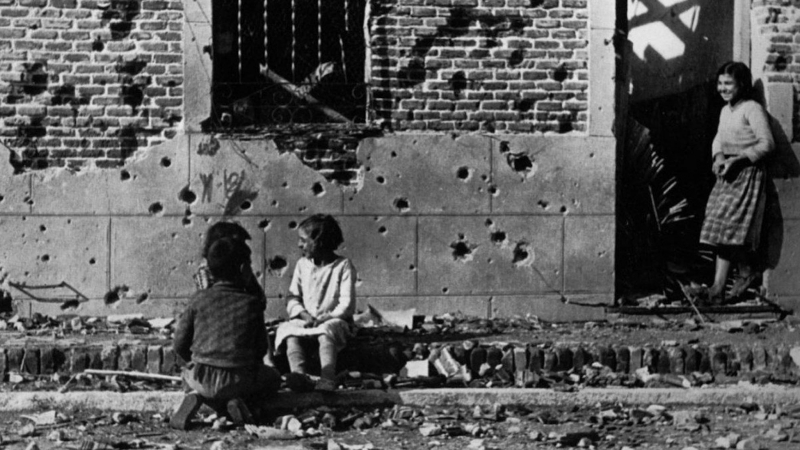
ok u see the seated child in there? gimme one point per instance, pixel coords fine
(221, 335)
(203, 279)
(321, 302)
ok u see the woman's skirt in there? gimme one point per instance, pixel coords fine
(735, 210)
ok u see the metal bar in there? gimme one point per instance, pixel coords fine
(291, 88)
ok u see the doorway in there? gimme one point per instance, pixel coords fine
(673, 51)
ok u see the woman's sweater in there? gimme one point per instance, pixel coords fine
(743, 130)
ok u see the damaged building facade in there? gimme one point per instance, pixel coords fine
(468, 147)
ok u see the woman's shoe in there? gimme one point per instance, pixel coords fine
(741, 284)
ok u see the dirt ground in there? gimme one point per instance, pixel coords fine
(602, 427)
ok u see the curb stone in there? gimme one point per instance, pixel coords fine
(163, 401)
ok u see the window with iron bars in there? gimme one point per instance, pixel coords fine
(279, 62)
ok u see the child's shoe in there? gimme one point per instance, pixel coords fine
(325, 385)
(299, 382)
(238, 412)
(180, 419)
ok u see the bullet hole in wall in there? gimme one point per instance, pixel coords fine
(382, 230)
(115, 294)
(462, 250)
(2, 198)
(519, 162)
(493, 190)
(317, 189)
(292, 225)
(186, 195)
(92, 261)
(463, 173)
(124, 175)
(489, 222)
(401, 204)
(393, 154)
(156, 208)
(498, 237)
(141, 298)
(543, 204)
(186, 221)
(245, 205)
(522, 254)
(276, 265)
(166, 162)
(445, 290)
(45, 258)
(563, 209)
(380, 179)
(42, 228)
(264, 224)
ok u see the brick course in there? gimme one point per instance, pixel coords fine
(68, 55)
(489, 42)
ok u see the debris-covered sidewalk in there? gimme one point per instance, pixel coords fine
(747, 424)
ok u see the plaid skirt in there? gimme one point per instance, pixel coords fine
(735, 210)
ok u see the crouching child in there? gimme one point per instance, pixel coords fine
(221, 335)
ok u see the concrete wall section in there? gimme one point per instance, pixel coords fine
(457, 242)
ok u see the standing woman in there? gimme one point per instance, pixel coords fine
(735, 209)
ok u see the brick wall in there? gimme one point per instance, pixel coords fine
(776, 26)
(88, 82)
(492, 65)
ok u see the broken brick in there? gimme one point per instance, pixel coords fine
(760, 359)
(94, 355)
(664, 363)
(125, 361)
(109, 356)
(535, 359)
(154, 358)
(636, 358)
(169, 361)
(623, 359)
(3, 364)
(550, 361)
(30, 361)
(580, 358)
(677, 361)
(691, 360)
(14, 358)
(47, 360)
(139, 358)
(79, 360)
(650, 359)
(564, 355)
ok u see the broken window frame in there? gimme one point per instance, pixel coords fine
(267, 73)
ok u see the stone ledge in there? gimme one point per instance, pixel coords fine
(517, 360)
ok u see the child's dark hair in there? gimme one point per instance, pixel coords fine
(222, 230)
(741, 73)
(324, 230)
(226, 256)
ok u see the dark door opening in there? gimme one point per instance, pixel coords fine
(673, 51)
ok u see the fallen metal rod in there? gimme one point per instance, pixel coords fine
(143, 375)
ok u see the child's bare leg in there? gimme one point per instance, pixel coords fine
(327, 357)
(720, 274)
(296, 355)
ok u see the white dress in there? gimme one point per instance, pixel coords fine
(330, 289)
